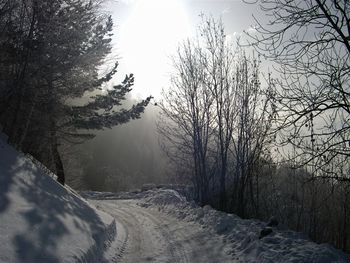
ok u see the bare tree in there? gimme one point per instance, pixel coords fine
(218, 63)
(310, 42)
(255, 112)
(217, 114)
(186, 123)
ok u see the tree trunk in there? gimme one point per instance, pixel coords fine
(58, 162)
(56, 155)
(20, 87)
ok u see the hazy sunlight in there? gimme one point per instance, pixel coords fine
(148, 37)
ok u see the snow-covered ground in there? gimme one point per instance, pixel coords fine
(150, 235)
(161, 226)
(41, 221)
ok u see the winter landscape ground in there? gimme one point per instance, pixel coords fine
(41, 221)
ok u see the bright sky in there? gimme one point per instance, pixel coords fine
(147, 33)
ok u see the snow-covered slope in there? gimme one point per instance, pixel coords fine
(41, 221)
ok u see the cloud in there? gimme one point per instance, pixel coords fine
(227, 10)
(230, 38)
(127, 2)
(251, 30)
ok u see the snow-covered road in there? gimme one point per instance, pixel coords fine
(148, 235)
(161, 225)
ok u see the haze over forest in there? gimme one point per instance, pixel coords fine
(136, 30)
(246, 103)
(120, 159)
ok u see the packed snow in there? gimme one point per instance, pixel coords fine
(203, 234)
(41, 221)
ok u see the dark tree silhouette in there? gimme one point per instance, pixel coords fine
(310, 41)
(51, 53)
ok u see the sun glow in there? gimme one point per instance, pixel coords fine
(148, 37)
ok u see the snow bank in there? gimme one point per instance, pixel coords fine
(181, 190)
(41, 221)
(164, 197)
(242, 236)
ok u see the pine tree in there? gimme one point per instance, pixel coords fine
(52, 52)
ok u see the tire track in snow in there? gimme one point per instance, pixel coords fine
(175, 248)
(117, 249)
(146, 238)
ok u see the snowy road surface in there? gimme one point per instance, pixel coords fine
(160, 225)
(148, 235)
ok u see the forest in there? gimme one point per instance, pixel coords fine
(249, 140)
